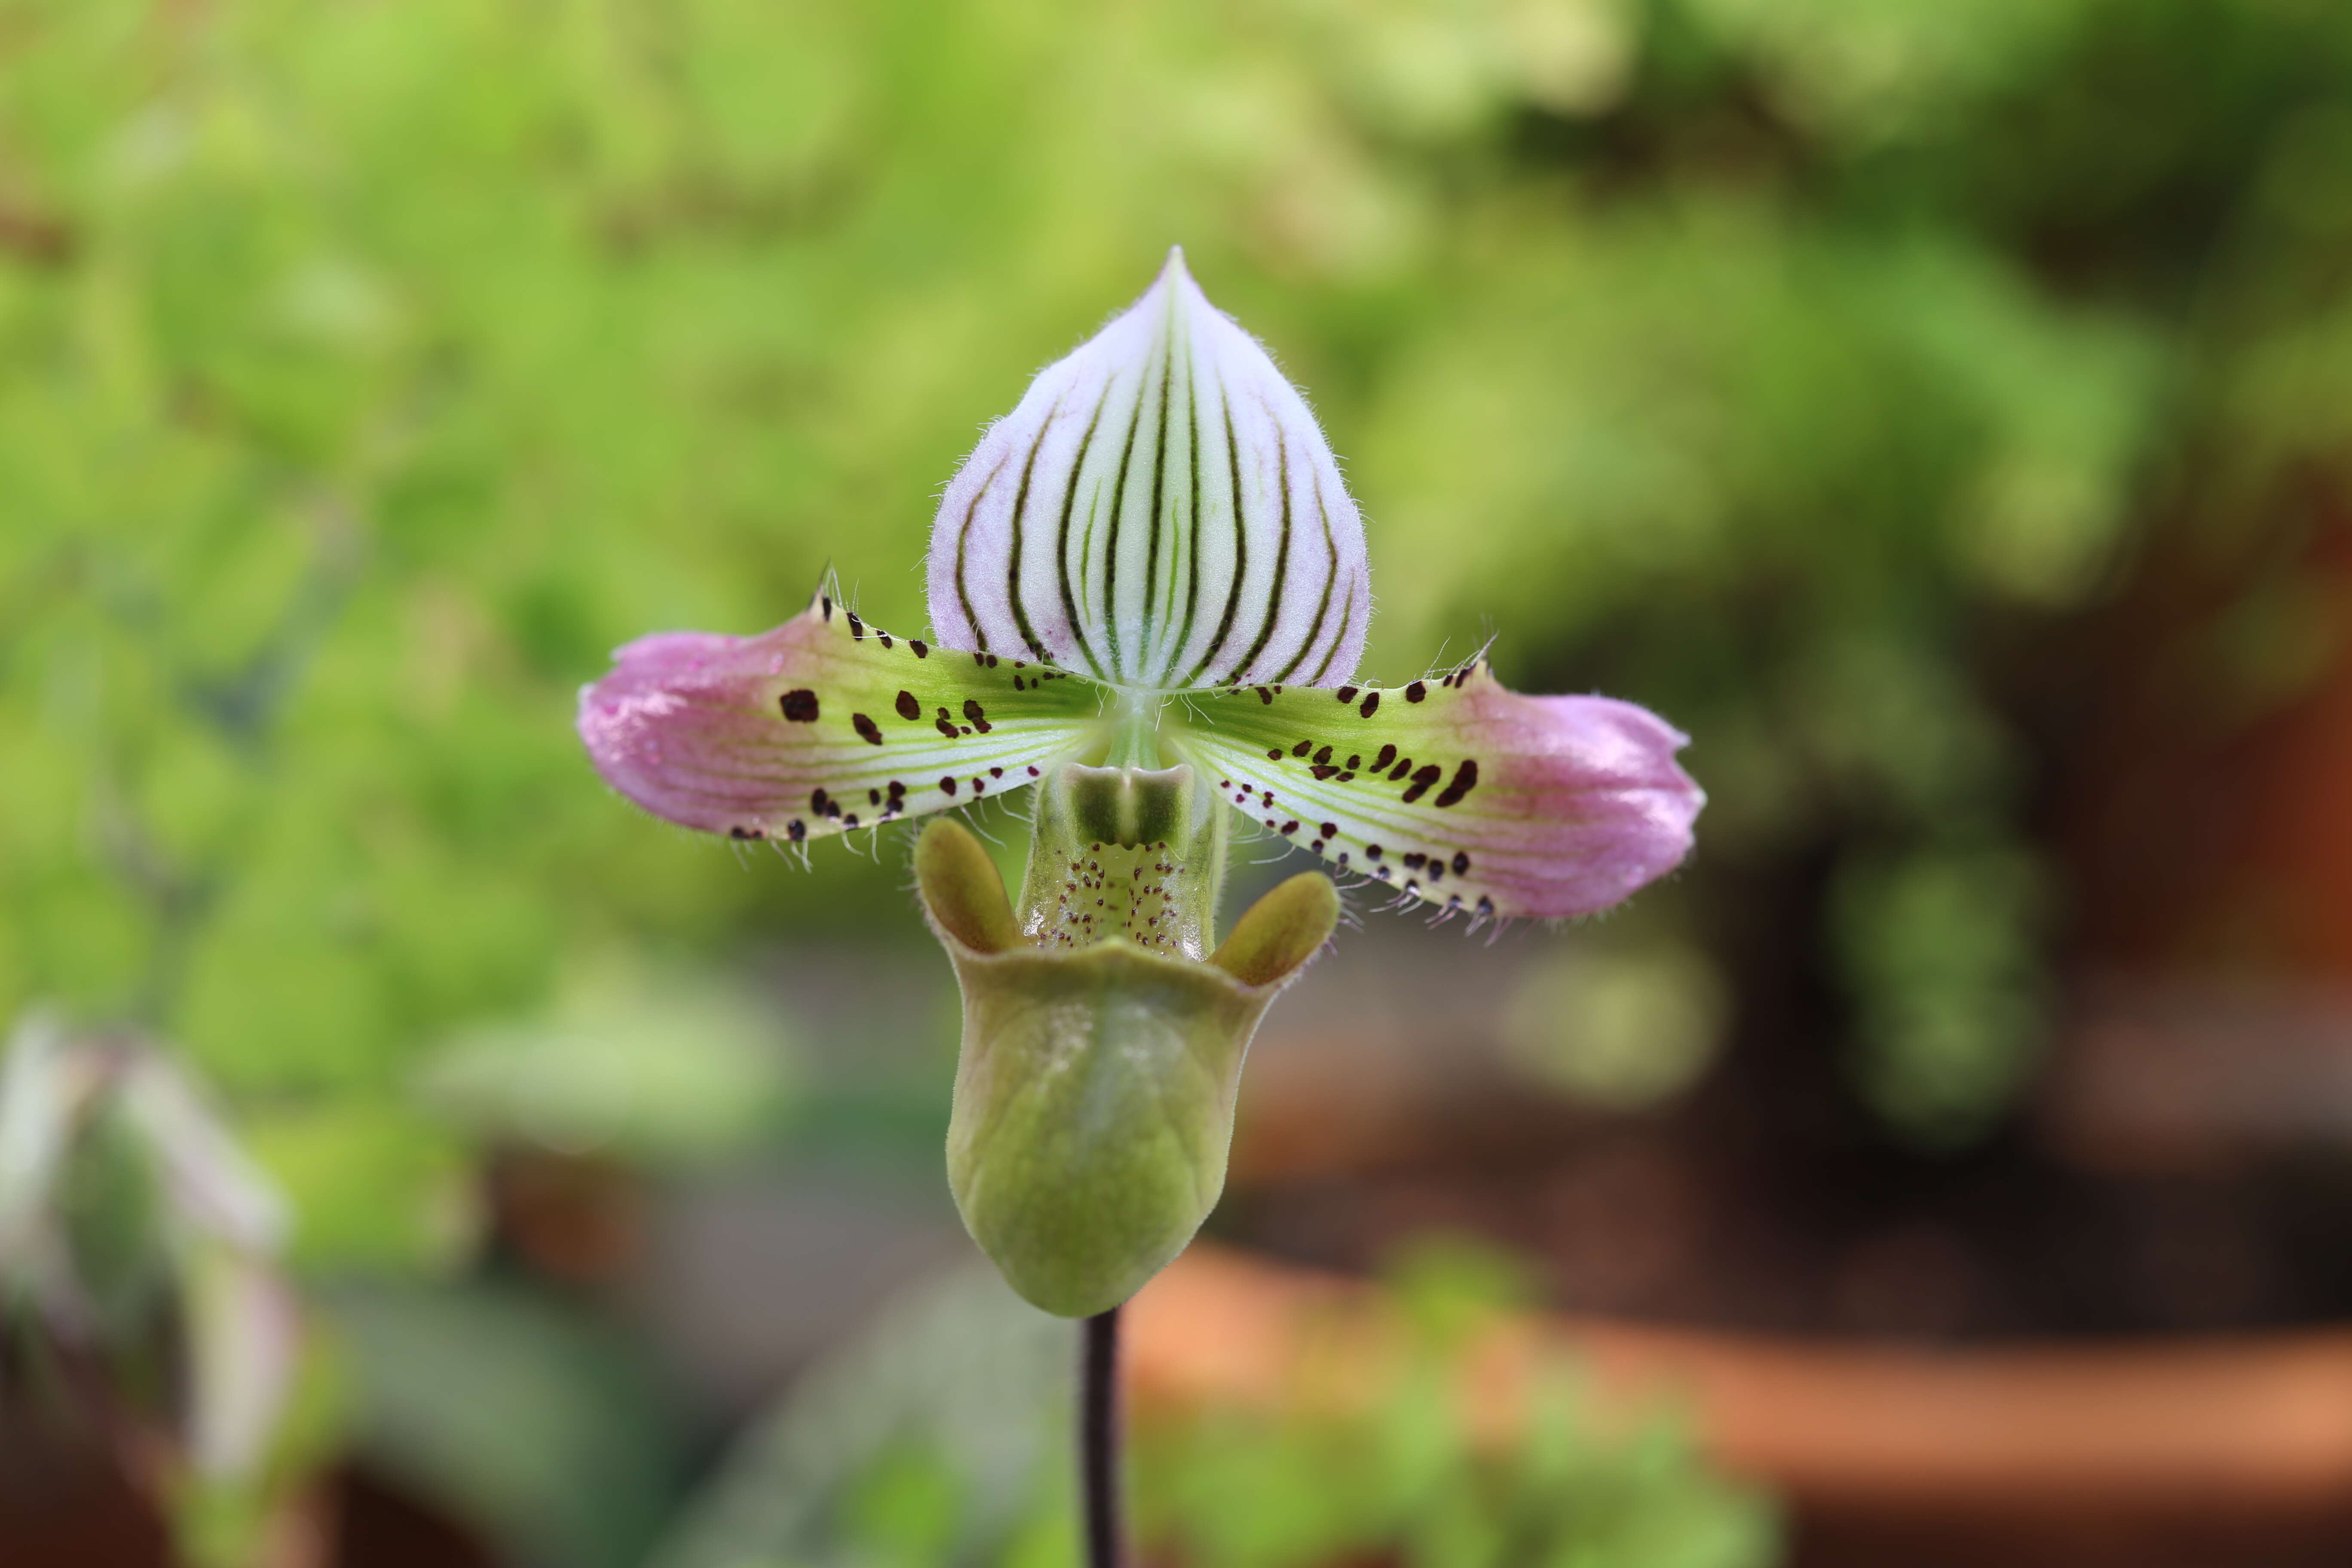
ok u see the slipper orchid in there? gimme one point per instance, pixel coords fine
(1150, 593)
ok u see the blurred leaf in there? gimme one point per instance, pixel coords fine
(1941, 948)
(649, 1065)
(526, 1420)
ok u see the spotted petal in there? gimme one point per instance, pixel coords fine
(1456, 791)
(822, 725)
(1160, 511)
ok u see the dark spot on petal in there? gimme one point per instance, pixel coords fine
(1416, 691)
(1422, 779)
(857, 627)
(826, 601)
(868, 728)
(1347, 694)
(1265, 697)
(1371, 705)
(817, 801)
(1485, 906)
(1371, 851)
(1388, 755)
(745, 833)
(1301, 748)
(908, 709)
(1346, 777)
(1460, 862)
(1033, 773)
(1322, 770)
(1466, 779)
(1404, 766)
(979, 784)
(1287, 827)
(850, 820)
(1273, 756)
(1324, 755)
(992, 661)
(799, 705)
(948, 784)
(1413, 861)
(885, 638)
(1331, 830)
(795, 830)
(874, 797)
(978, 715)
(945, 725)
(1356, 760)
(922, 649)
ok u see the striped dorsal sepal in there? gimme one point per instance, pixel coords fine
(1160, 511)
(1454, 790)
(823, 725)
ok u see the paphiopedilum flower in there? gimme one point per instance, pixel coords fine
(1149, 587)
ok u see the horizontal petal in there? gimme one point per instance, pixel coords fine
(1455, 790)
(1160, 511)
(822, 725)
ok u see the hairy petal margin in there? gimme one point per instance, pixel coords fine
(1456, 791)
(823, 725)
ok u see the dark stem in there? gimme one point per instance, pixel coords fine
(1098, 1443)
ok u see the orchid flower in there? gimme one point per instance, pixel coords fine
(1148, 593)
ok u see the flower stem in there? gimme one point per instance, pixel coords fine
(1099, 1444)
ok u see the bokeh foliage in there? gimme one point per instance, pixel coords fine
(941, 1435)
(368, 369)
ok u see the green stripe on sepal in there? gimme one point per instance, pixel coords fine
(1160, 511)
(1094, 1098)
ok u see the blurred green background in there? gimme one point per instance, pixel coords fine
(1923, 405)
(372, 370)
